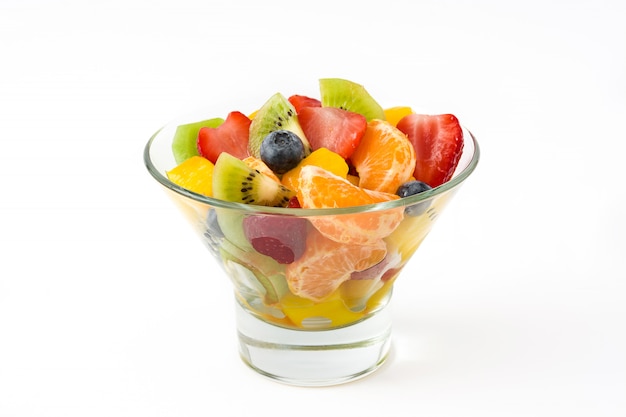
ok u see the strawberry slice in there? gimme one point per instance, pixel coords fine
(299, 102)
(231, 136)
(282, 238)
(335, 129)
(438, 143)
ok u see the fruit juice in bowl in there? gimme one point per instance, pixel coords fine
(313, 206)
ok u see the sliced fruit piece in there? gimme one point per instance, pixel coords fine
(321, 157)
(234, 181)
(319, 188)
(326, 264)
(394, 114)
(357, 291)
(262, 275)
(230, 136)
(294, 203)
(307, 314)
(347, 95)
(406, 239)
(259, 165)
(392, 260)
(230, 223)
(194, 174)
(299, 102)
(385, 158)
(333, 128)
(277, 113)
(438, 144)
(185, 142)
(282, 150)
(280, 237)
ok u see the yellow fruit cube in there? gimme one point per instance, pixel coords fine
(395, 114)
(323, 158)
(330, 312)
(195, 174)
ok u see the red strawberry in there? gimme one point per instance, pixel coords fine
(335, 129)
(294, 203)
(299, 102)
(231, 136)
(438, 143)
(282, 238)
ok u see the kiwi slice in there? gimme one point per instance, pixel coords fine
(184, 144)
(264, 271)
(347, 95)
(231, 223)
(235, 181)
(276, 114)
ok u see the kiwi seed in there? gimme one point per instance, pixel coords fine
(234, 181)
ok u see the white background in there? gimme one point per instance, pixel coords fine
(514, 306)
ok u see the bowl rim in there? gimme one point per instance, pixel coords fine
(454, 182)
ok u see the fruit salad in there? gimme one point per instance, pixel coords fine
(321, 260)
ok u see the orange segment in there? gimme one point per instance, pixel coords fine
(194, 174)
(321, 157)
(384, 159)
(326, 264)
(259, 165)
(395, 114)
(320, 188)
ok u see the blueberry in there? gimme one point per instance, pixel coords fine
(282, 150)
(411, 188)
(213, 233)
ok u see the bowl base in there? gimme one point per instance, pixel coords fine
(314, 357)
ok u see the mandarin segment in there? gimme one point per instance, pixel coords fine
(322, 189)
(385, 158)
(326, 264)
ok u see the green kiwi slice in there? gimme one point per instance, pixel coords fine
(234, 181)
(231, 225)
(276, 114)
(265, 271)
(185, 142)
(348, 95)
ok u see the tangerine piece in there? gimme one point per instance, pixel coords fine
(321, 157)
(194, 174)
(385, 158)
(320, 188)
(395, 114)
(259, 165)
(326, 264)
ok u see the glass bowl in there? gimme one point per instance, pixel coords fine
(321, 319)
